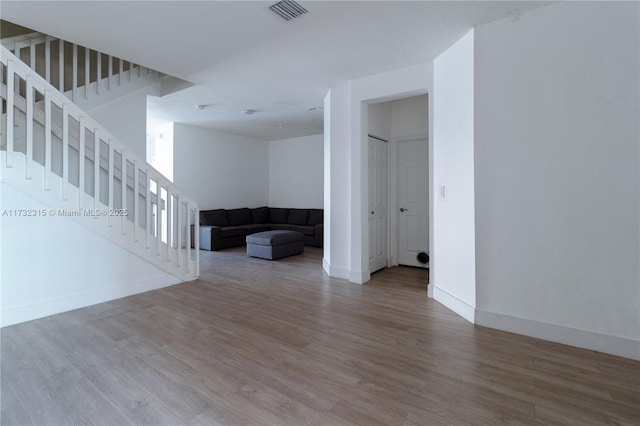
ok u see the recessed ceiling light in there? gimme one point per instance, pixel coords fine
(202, 106)
(281, 125)
(247, 112)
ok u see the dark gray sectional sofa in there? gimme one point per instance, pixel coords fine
(222, 228)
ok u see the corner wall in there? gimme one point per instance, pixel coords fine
(557, 175)
(220, 170)
(453, 277)
(126, 118)
(336, 259)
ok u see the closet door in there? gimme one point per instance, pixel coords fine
(377, 204)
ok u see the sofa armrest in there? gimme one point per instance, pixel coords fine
(210, 237)
(318, 235)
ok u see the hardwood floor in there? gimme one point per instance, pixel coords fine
(255, 342)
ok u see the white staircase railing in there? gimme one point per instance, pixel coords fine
(77, 71)
(92, 172)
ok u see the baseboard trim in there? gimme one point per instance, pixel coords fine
(18, 314)
(613, 345)
(458, 306)
(333, 271)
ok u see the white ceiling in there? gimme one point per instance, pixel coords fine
(241, 56)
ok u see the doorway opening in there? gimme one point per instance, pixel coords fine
(398, 194)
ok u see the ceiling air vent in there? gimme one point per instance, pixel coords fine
(288, 10)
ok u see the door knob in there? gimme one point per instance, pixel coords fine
(402, 209)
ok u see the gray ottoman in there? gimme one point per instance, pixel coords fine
(273, 245)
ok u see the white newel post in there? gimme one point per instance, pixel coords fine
(29, 116)
(196, 234)
(110, 75)
(179, 230)
(47, 59)
(87, 71)
(158, 215)
(47, 139)
(74, 72)
(188, 245)
(81, 160)
(136, 199)
(123, 191)
(11, 79)
(65, 151)
(168, 224)
(61, 66)
(120, 71)
(148, 210)
(110, 184)
(96, 169)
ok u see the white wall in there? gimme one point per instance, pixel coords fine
(557, 181)
(409, 116)
(336, 259)
(296, 170)
(346, 128)
(126, 118)
(454, 282)
(220, 170)
(406, 117)
(53, 264)
(380, 120)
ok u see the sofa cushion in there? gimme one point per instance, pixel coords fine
(239, 216)
(214, 217)
(257, 227)
(316, 217)
(260, 215)
(306, 230)
(232, 231)
(277, 215)
(280, 226)
(298, 216)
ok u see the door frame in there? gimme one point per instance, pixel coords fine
(392, 194)
(388, 142)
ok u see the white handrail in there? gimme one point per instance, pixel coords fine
(34, 84)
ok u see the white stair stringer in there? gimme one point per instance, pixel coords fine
(55, 156)
(82, 208)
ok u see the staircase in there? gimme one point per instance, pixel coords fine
(53, 151)
(85, 76)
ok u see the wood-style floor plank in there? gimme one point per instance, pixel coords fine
(255, 342)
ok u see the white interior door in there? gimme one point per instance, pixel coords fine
(377, 204)
(413, 201)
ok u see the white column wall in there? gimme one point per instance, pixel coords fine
(346, 129)
(337, 152)
(557, 175)
(453, 277)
